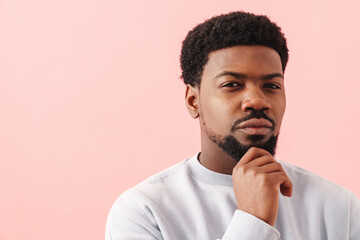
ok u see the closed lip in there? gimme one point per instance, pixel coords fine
(254, 122)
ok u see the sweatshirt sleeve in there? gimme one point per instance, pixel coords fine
(244, 226)
(130, 219)
(354, 218)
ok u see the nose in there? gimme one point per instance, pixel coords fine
(255, 100)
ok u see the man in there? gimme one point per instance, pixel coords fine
(233, 67)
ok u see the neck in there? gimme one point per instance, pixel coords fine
(214, 158)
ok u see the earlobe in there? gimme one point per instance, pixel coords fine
(191, 100)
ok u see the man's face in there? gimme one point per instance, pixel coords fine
(242, 98)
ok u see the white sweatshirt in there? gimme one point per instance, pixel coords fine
(188, 201)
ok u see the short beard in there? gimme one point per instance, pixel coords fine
(236, 150)
(230, 145)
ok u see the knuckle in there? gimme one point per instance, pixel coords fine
(244, 170)
(252, 173)
(263, 179)
(240, 170)
(282, 178)
(278, 166)
(253, 150)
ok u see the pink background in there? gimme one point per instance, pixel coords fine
(91, 102)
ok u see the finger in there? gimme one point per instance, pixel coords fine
(270, 167)
(283, 181)
(286, 190)
(252, 154)
(261, 161)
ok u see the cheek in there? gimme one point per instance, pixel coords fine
(279, 116)
(215, 114)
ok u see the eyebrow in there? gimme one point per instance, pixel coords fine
(244, 76)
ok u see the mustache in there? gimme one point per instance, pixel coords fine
(254, 114)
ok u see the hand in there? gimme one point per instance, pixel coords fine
(257, 179)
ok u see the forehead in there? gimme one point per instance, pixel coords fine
(246, 59)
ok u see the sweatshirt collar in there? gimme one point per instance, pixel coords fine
(206, 175)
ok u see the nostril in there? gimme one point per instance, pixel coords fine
(255, 104)
(249, 109)
(253, 109)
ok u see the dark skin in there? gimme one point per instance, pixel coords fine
(235, 81)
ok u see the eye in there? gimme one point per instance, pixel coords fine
(272, 86)
(231, 84)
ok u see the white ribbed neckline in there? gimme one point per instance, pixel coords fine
(206, 175)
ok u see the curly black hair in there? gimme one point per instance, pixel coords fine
(228, 30)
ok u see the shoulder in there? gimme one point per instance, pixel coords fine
(318, 199)
(156, 185)
(144, 202)
(135, 213)
(306, 179)
(309, 185)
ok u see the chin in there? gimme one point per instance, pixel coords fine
(236, 149)
(255, 140)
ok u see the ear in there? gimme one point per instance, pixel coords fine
(192, 100)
